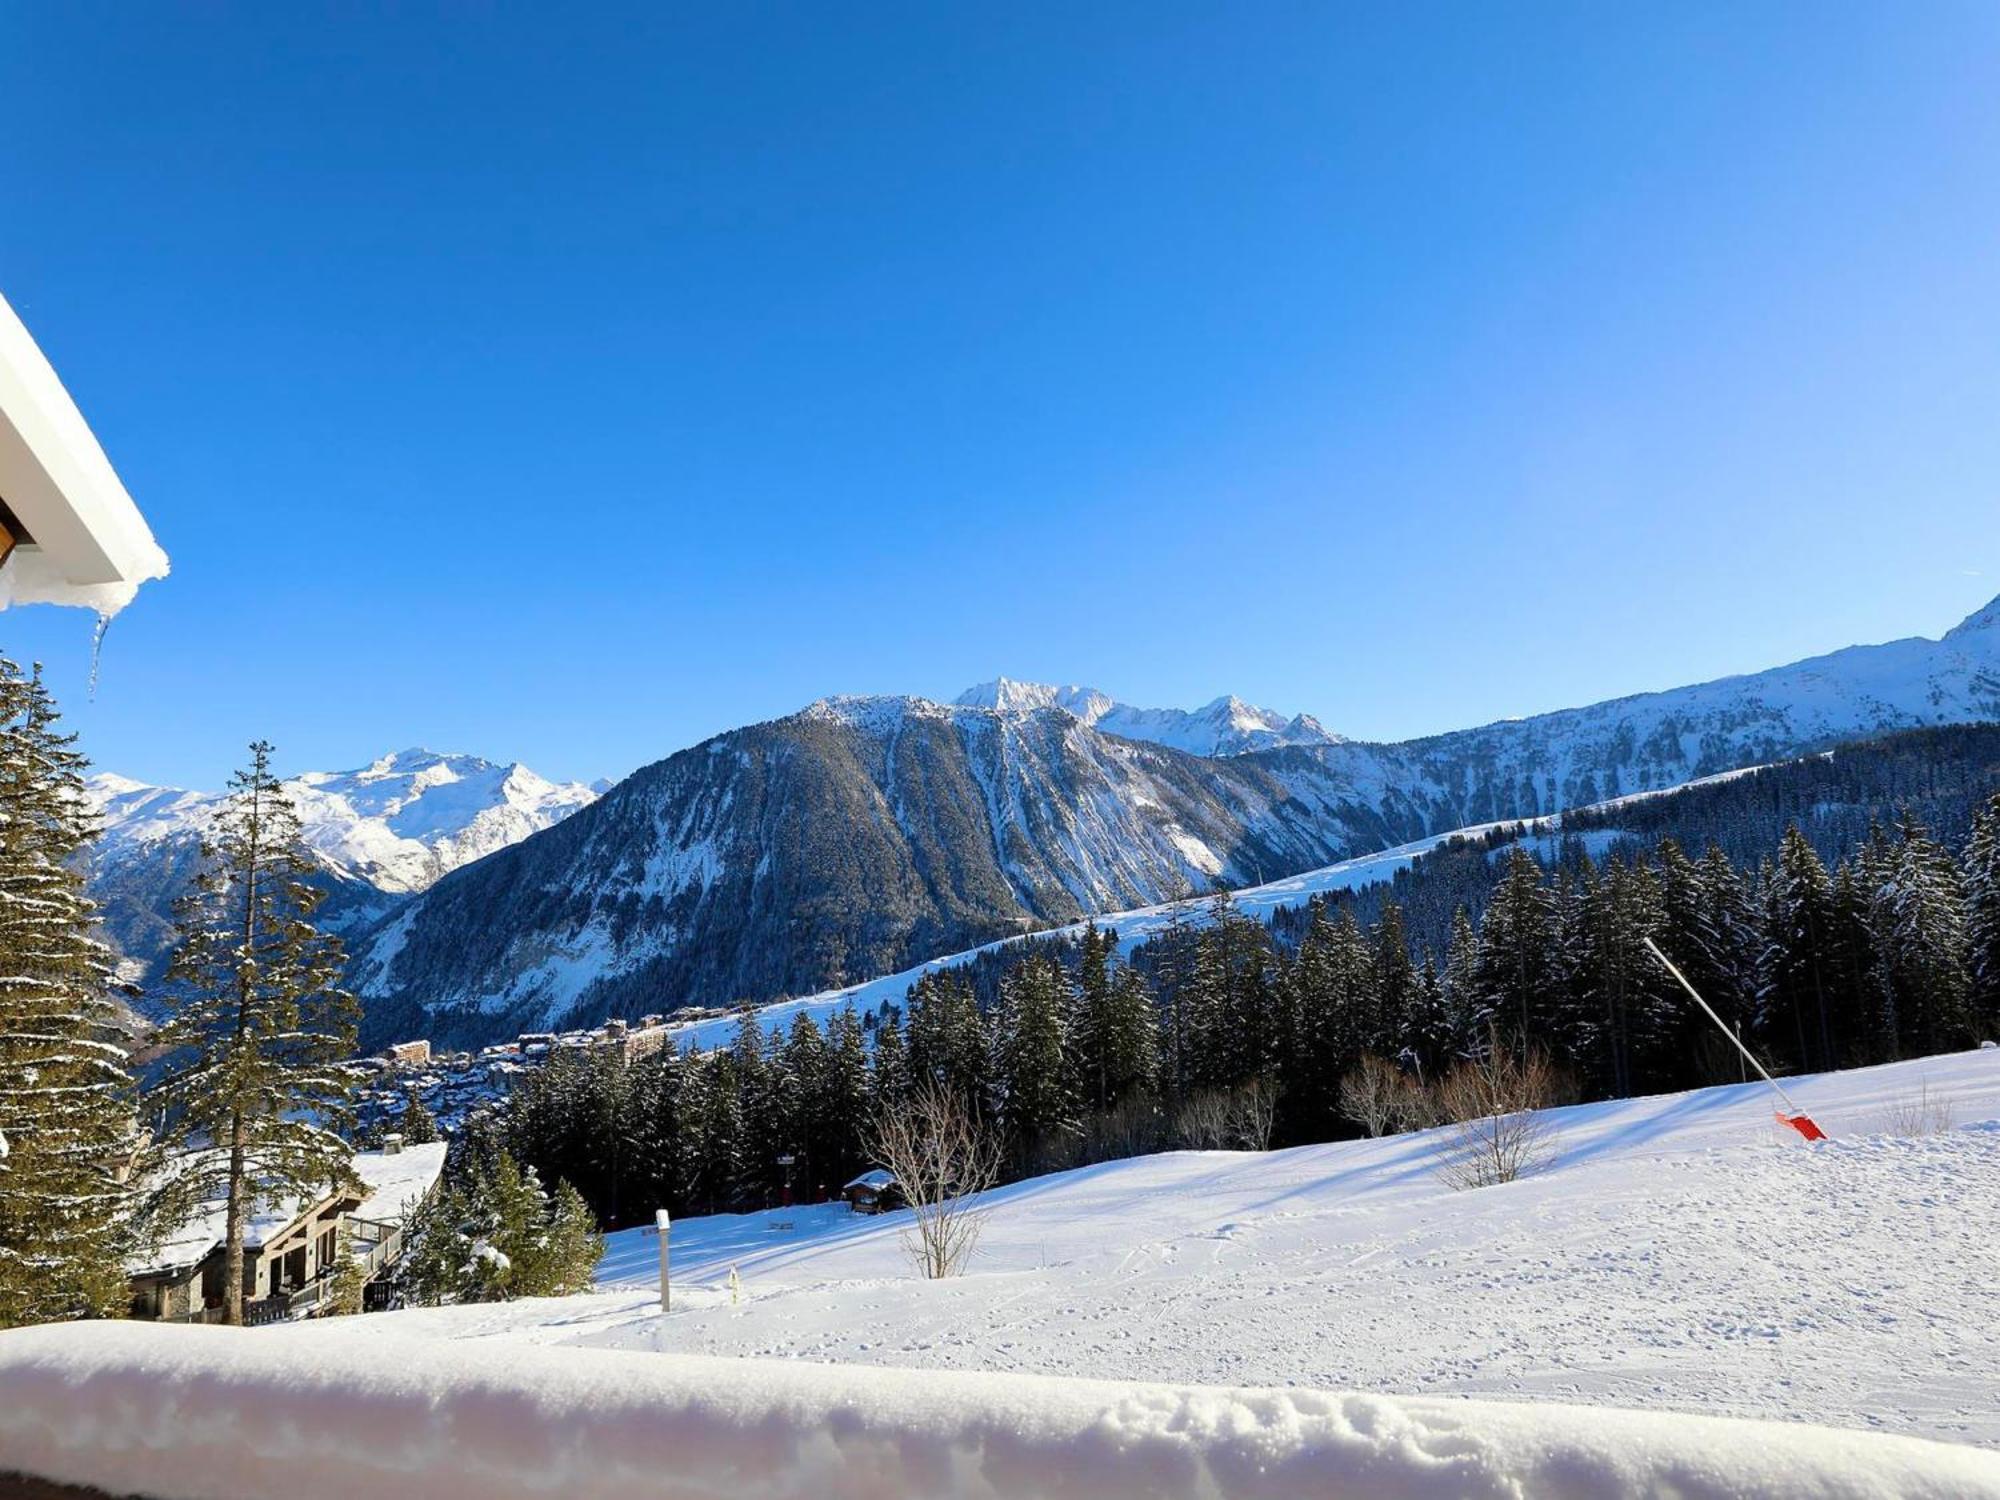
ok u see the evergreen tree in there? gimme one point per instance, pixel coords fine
(1465, 1014)
(1429, 1042)
(1040, 1094)
(1917, 916)
(659, 1127)
(1575, 1013)
(1982, 913)
(1517, 975)
(1176, 951)
(1130, 1039)
(889, 1069)
(717, 1141)
(1624, 985)
(497, 1235)
(1704, 930)
(1329, 1009)
(254, 1092)
(66, 1116)
(1228, 1007)
(1735, 933)
(1092, 1027)
(805, 1109)
(766, 1106)
(1799, 1013)
(844, 1103)
(417, 1125)
(1396, 996)
(948, 1039)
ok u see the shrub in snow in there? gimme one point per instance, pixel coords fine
(1234, 1119)
(1494, 1103)
(497, 1235)
(345, 1289)
(1921, 1113)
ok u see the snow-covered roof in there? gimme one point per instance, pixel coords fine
(877, 1179)
(397, 1181)
(393, 1184)
(88, 545)
(320, 1409)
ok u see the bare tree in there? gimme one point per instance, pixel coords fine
(1370, 1093)
(1413, 1106)
(1253, 1112)
(944, 1157)
(1201, 1121)
(1494, 1103)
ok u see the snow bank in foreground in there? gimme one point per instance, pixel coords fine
(197, 1413)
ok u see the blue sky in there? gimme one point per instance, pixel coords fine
(570, 385)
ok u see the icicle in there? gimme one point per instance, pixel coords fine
(97, 649)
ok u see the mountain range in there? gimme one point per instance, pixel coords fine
(862, 834)
(1228, 726)
(381, 833)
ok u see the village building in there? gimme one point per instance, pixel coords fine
(291, 1249)
(874, 1192)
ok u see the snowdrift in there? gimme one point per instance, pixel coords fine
(196, 1413)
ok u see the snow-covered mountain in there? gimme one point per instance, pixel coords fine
(837, 841)
(1228, 726)
(864, 834)
(384, 832)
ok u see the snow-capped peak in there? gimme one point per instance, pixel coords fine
(1226, 726)
(1009, 696)
(1977, 623)
(399, 822)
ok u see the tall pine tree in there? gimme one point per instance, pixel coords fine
(1982, 914)
(66, 1111)
(254, 1093)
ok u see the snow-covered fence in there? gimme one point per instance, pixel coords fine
(221, 1414)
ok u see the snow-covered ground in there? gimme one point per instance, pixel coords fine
(1681, 1254)
(1291, 1324)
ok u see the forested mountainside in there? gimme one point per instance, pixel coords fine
(840, 842)
(1939, 778)
(864, 834)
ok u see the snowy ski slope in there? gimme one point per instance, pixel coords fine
(1280, 1326)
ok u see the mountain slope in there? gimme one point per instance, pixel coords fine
(1576, 756)
(863, 835)
(383, 832)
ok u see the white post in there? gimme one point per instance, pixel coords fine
(661, 1224)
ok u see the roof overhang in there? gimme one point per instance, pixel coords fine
(75, 535)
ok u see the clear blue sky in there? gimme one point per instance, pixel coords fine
(567, 384)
